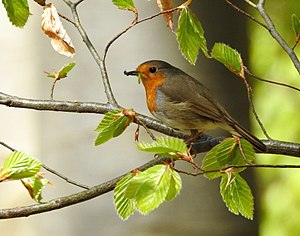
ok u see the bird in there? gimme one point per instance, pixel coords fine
(182, 102)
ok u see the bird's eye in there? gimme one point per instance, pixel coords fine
(153, 69)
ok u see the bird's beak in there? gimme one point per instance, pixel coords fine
(133, 72)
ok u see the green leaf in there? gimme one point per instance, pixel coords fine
(63, 72)
(175, 186)
(17, 11)
(124, 206)
(228, 153)
(34, 185)
(237, 195)
(66, 69)
(296, 24)
(113, 124)
(19, 165)
(190, 35)
(150, 187)
(229, 57)
(168, 147)
(125, 5)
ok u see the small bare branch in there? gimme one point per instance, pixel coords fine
(50, 170)
(101, 64)
(245, 13)
(274, 33)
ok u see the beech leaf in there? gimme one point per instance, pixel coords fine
(124, 206)
(17, 11)
(19, 165)
(190, 35)
(296, 25)
(62, 73)
(151, 187)
(113, 124)
(229, 57)
(53, 28)
(34, 186)
(237, 195)
(168, 147)
(227, 153)
(125, 5)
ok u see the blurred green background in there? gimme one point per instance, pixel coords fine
(278, 108)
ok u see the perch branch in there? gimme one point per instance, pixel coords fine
(203, 145)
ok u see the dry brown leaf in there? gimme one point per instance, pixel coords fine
(41, 2)
(166, 5)
(53, 28)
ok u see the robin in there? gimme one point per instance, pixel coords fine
(182, 102)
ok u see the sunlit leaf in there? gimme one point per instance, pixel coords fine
(17, 11)
(150, 188)
(237, 195)
(62, 73)
(124, 206)
(113, 124)
(229, 57)
(34, 185)
(19, 165)
(190, 35)
(53, 28)
(175, 186)
(125, 5)
(169, 147)
(228, 153)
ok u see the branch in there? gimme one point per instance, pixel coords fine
(50, 170)
(277, 36)
(245, 13)
(270, 27)
(204, 144)
(101, 189)
(69, 200)
(101, 64)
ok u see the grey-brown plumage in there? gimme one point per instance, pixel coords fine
(182, 102)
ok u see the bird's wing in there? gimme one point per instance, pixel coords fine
(202, 101)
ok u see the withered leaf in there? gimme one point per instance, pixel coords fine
(165, 5)
(53, 28)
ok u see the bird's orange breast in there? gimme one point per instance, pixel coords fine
(151, 85)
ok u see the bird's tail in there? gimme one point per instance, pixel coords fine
(258, 145)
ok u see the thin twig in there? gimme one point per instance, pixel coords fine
(249, 93)
(245, 13)
(101, 64)
(78, 2)
(138, 121)
(50, 169)
(52, 89)
(224, 169)
(250, 3)
(134, 23)
(7, 146)
(269, 81)
(67, 19)
(296, 43)
(65, 178)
